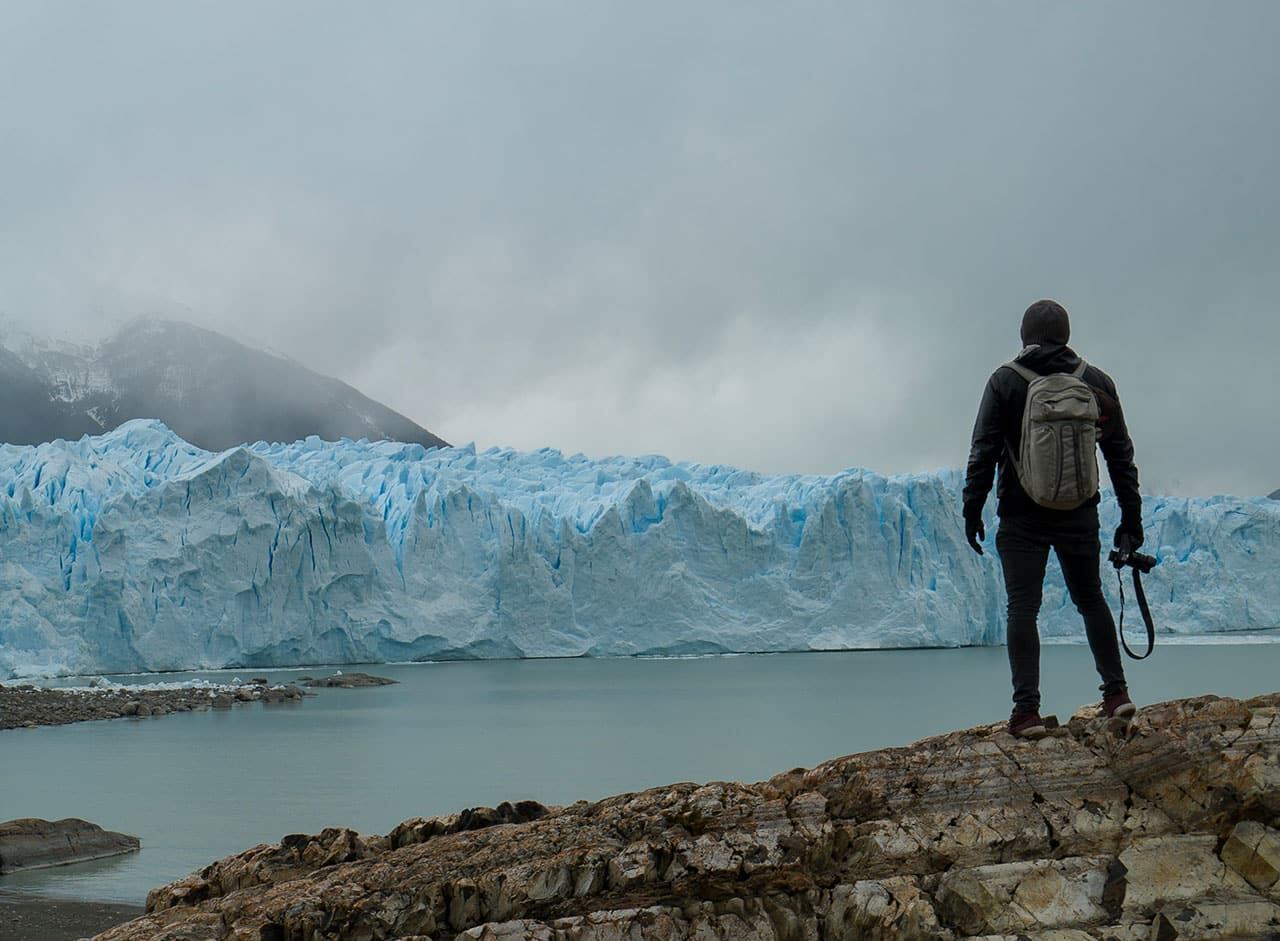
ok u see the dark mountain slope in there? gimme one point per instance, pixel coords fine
(28, 411)
(210, 389)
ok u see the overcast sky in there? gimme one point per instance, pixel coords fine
(791, 237)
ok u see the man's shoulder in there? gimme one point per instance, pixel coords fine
(1096, 376)
(1004, 372)
(1006, 382)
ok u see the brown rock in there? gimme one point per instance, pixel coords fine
(883, 909)
(1183, 867)
(1208, 920)
(1013, 898)
(1253, 850)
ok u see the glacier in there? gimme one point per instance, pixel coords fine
(137, 551)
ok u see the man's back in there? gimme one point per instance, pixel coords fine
(998, 433)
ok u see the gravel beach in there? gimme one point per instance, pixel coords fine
(32, 918)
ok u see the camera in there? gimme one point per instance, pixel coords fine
(1140, 562)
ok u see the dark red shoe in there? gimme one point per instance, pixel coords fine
(1026, 725)
(1118, 706)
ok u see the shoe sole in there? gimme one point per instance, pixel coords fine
(1124, 712)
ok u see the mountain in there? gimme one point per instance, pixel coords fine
(135, 550)
(210, 389)
(1275, 495)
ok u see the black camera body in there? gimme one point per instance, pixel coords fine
(1139, 561)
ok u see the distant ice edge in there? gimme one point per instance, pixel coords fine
(136, 551)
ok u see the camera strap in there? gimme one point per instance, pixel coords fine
(1146, 615)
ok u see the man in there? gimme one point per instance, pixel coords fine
(1029, 529)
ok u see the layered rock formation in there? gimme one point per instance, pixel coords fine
(31, 843)
(1165, 829)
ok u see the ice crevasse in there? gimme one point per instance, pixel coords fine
(136, 550)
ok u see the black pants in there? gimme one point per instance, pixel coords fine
(1023, 543)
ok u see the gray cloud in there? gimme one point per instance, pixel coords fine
(789, 239)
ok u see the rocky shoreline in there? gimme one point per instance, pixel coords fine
(342, 680)
(34, 706)
(1167, 828)
(28, 706)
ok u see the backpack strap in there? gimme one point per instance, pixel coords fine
(1029, 375)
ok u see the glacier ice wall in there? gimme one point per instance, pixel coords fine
(136, 550)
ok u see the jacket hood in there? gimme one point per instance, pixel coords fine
(1048, 358)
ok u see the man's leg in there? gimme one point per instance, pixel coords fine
(1081, 557)
(1023, 556)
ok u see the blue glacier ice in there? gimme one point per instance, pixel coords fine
(138, 551)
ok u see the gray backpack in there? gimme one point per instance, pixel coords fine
(1058, 462)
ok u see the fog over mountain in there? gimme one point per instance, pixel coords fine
(789, 237)
(211, 389)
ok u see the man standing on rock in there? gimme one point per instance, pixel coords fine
(1040, 420)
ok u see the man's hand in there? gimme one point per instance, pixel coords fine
(1129, 535)
(975, 532)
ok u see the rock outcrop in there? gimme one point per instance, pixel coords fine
(1168, 828)
(31, 843)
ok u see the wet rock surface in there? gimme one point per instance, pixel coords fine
(33, 706)
(32, 843)
(1164, 829)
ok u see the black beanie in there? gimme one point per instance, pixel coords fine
(1045, 322)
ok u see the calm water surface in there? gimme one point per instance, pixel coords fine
(199, 786)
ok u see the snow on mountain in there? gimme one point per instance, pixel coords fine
(73, 370)
(209, 388)
(136, 550)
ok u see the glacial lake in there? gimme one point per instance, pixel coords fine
(199, 786)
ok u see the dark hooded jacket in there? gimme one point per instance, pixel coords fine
(998, 432)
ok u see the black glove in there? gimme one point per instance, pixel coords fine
(975, 532)
(1130, 531)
